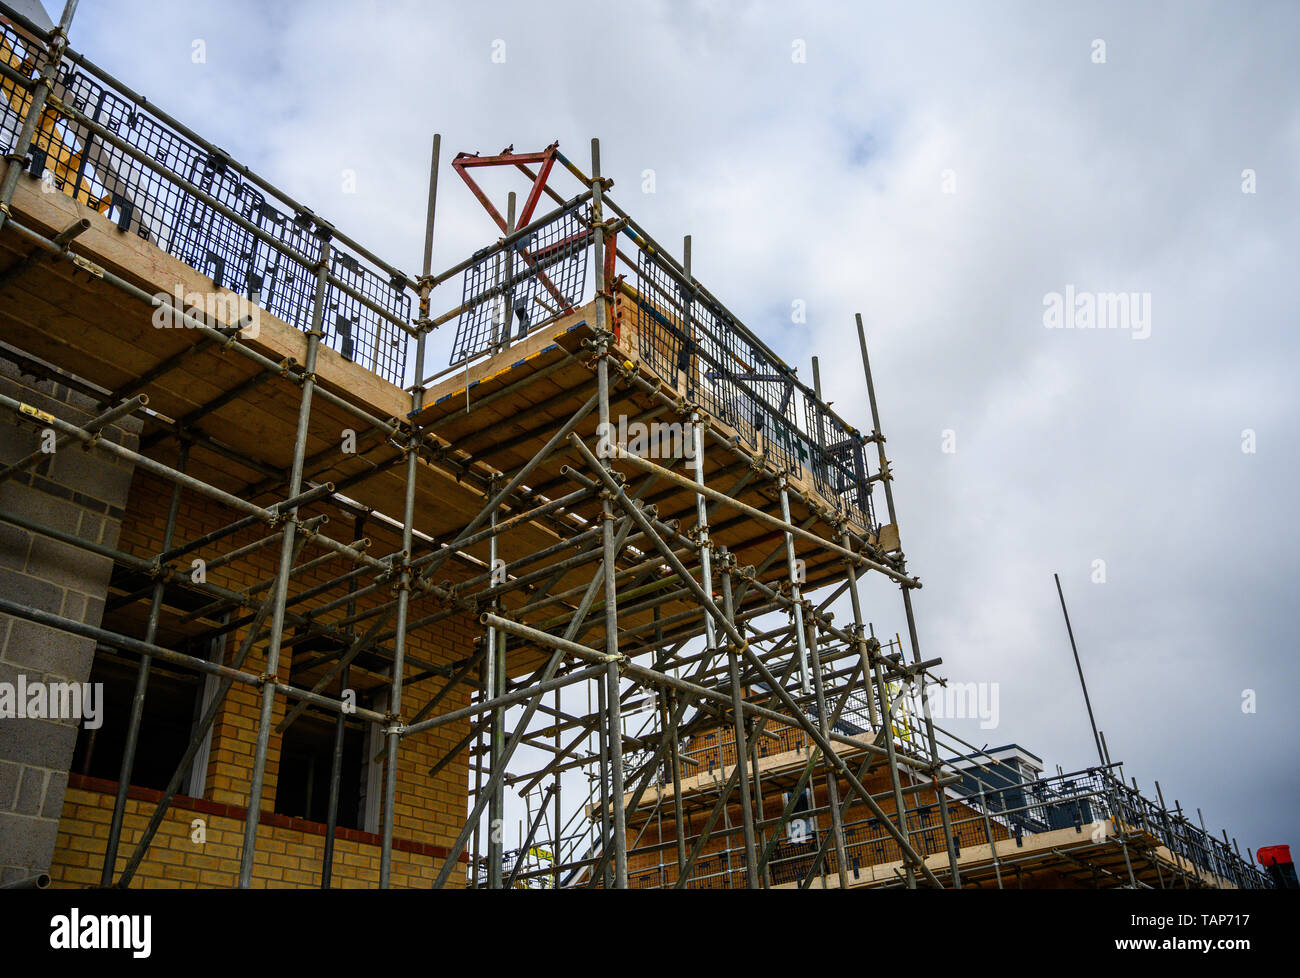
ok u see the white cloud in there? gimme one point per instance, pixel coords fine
(821, 181)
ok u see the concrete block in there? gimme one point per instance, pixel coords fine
(27, 842)
(39, 648)
(38, 743)
(9, 775)
(90, 473)
(31, 791)
(14, 544)
(30, 591)
(55, 789)
(67, 566)
(74, 606)
(94, 612)
(53, 511)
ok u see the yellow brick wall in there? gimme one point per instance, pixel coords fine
(285, 857)
(428, 810)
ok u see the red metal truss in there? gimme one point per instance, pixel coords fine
(507, 157)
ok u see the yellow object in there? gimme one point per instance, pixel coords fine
(62, 160)
(900, 725)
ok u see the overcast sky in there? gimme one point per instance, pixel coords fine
(943, 169)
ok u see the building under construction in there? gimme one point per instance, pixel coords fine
(555, 613)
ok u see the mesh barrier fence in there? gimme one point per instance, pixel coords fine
(689, 342)
(158, 203)
(512, 291)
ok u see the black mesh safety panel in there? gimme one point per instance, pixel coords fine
(508, 293)
(75, 160)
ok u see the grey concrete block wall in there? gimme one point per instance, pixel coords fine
(78, 492)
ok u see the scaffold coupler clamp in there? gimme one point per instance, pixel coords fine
(626, 368)
(402, 437)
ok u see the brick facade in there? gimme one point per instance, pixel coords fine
(429, 809)
(289, 850)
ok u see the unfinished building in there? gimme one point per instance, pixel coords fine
(347, 609)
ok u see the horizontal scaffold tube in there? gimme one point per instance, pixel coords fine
(651, 677)
(128, 644)
(778, 523)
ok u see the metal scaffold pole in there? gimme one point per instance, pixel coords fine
(614, 723)
(281, 588)
(141, 689)
(832, 782)
(403, 585)
(35, 110)
(886, 478)
(738, 726)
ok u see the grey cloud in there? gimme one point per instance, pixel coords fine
(821, 181)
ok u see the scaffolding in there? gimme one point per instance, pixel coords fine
(632, 596)
(1084, 829)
